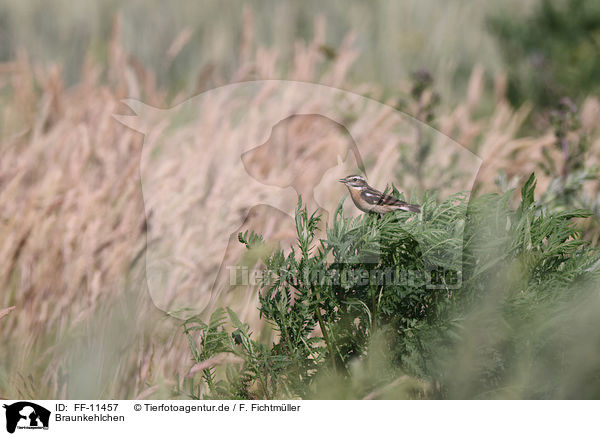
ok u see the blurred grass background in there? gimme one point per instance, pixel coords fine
(392, 38)
(72, 225)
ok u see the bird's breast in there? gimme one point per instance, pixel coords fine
(355, 193)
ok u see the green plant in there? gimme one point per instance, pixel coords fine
(421, 103)
(531, 282)
(343, 326)
(571, 171)
(552, 53)
(568, 166)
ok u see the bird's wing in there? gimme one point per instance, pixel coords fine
(374, 197)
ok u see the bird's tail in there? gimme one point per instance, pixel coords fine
(411, 208)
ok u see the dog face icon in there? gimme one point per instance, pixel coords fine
(239, 156)
(26, 414)
(299, 152)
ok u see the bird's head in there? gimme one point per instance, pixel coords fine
(354, 181)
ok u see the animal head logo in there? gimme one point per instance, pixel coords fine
(238, 157)
(25, 414)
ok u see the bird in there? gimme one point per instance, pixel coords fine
(369, 199)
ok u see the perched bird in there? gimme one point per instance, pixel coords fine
(370, 199)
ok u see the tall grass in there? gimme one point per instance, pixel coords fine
(416, 33)
(73, 227)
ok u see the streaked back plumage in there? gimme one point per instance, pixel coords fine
(369, 199)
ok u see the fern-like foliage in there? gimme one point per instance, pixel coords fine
(413, 291)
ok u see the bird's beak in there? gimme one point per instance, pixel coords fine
(342, 180)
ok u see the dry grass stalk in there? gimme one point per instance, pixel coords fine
(73, 227)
